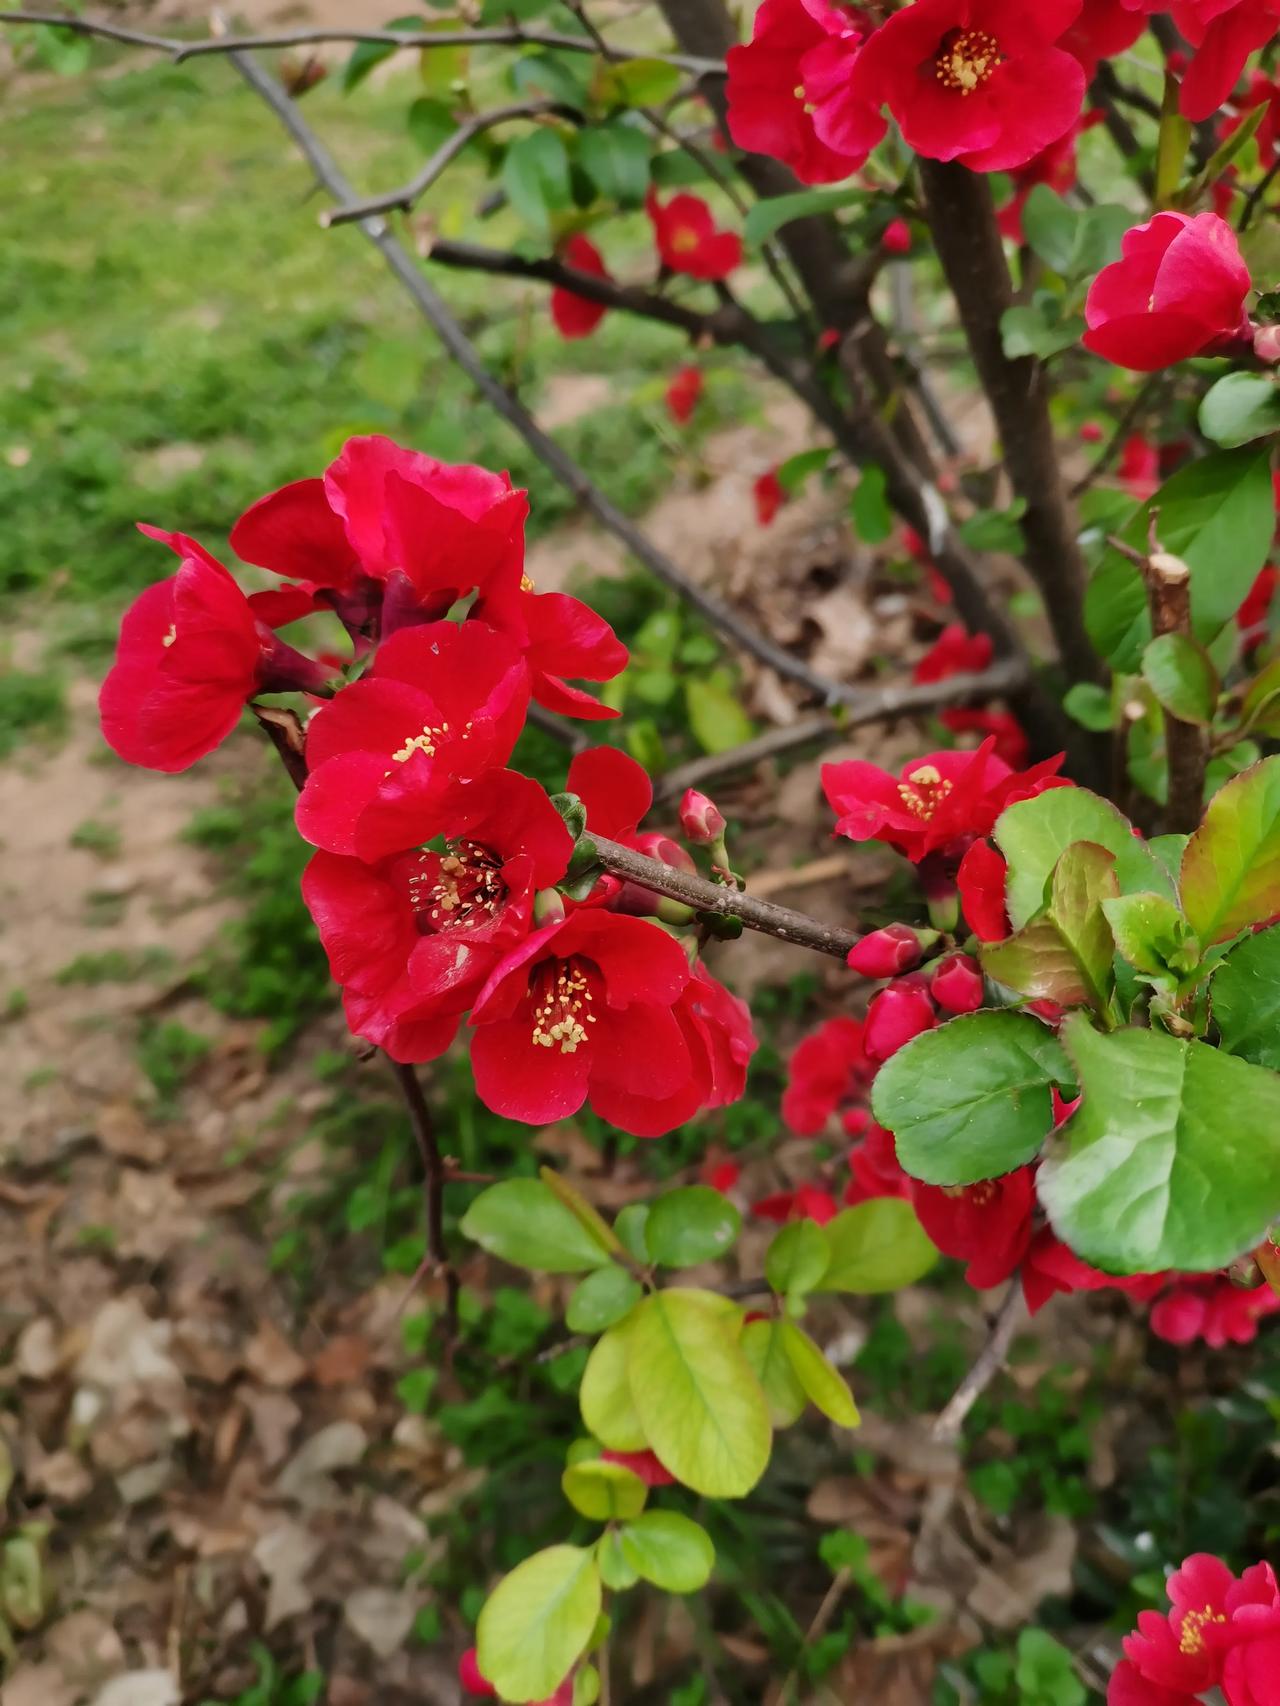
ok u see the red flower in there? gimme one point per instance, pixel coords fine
(987, 1225)
(980, 81)
(412, 938)
(1212, 1310)
(192, 650)
(560, 636)
(439, 702)
(473, 1681)
(1050, 1267)
(896, 238)
(940, 801)
(981, 880)
(825, 1070)
(582, 1011)
(1224, 34)
(955, 652)
(1103, 29)
(716, 1027)
(901, 1011)
(701, 820)
(617, 793)
(801, 53)
(806, 1202)
(769, 496)
(1251, 1675)
(1178, 290)
(884, 953)
(1011, 740)
(1251, 618)
(683, 392)
(688, 242)
(578, 316)
(1186, 1649)
(1128, 1688)
(874, 1168)
(1139, 468)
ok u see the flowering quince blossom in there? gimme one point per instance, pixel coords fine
(806, 1202)
(1103, 29)
(1012, 742)
(582, 1012)
(901, 1011)
(1178, 290)
(475, 1683)
(682, 393)
(769, 496)
(955, 652)
(896, 238)
(687, 239)
(193, 649)
(874, 1169)
(800, 55)
(984, 82)
(617, 793)
(987, 1225)
(1224, 33)
(577, 316)
(1212, 1310)
(826, 1070)
(1049, 1267)
(939, 803)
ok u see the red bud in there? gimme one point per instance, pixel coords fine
(885, 953)
(956, 984)
(701, 820)
(1266, 343)
(899, 1013)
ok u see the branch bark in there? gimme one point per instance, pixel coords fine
(962, 219)
(991, 1359)
(1186, 744)
(435, 1174)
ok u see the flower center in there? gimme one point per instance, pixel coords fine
(1191, 1635)
(427, 741)
(683, 240)
(924, 791)
(527, 584)
(461, 886)
(171, 636)
(966, 59)
(562, 1002)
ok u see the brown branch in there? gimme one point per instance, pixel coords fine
(435, 1174)
(704, 896)
(962, 219)
(448, 151)
(504, 35)
(991, 1360)
(1168, 582)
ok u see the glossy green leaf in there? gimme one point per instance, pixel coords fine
(430, 123)
(1261, 708)
(691, 1225)
(616, 1572)
(698, 1400)
(537, 1622)
(1240, 408)
(1049, 226)
(550, 76)
(523, 1222)
(765, 1349)
(1033, 834)
(1218, 515)
(1090, 706)
(605, 1394)
(824, 1385)
(1151, 934)
(604, 1492)
(640, 82)
(1182, 677)
(669, 1550)
(996, 529)
(869, 506)
(535, 175)
(1172, 1159)
(1039, 328)
(971, 1100)
(602, 1299)
(615, 156)
(588, 1217)
(796, 470)
(1231, 868)
(1064, 954)
(766, 217)
(629, 1226)
(1246, 999)
(797, 1259)
(877, 1246)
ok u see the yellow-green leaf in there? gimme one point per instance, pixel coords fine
(604, 1492)
(669, 1550)
(537, 1622)
(605, 1394)
(764, 1348)
(824, 1385)
(877, 1246)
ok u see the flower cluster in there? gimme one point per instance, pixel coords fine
(434, 885)
(1221, 1631)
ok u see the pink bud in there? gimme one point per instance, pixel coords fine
(1091, 433)
(897, 1014)
(897, 238)
(956, 984)
(471, 1677)
(885, 953)
(1266, 343)
(701, 820)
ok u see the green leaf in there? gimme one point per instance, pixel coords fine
(869, 505)
(669, 1550)
(615, 1572)
(1172, 1159)
(590, 1219)
(971, 1099)
(1049, 226)
(553, 76)
(765, 1349)
(586, 1686)
(825, 1386)
(699, 1403)
(537, 1622)
(602, 1299)
(605, 1394)
(1151, 934)
(1090, 706)
(691, 1225)
(1064, 954)
(877, 1246)
(1098, 236)
(522, 1221)
(629, 1226)
(1246, 999)
(1033, 834)
(430, 123)
(793, 473)
(1218, 515)
(1240, 408)
(1231, 868)
(1039, 327)
(996, 530)
(1182, 677)
(1260, 711)
(368, 54)
(766, 217)
(640, 83)
(797, 1258)
(615, 156)
(604, 1492)
(535, 175)
(716, 715)
(1046, 1672)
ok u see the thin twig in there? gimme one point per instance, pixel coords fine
(1257, 193)
(704, 896)
(991, 1360)
(434, 1175)
(504, 35)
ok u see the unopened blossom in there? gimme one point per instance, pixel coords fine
(682, 393)
(955, 983)
(1213, 1311)
(1012, 742)
(886, 952)
(899, 1013)
(701, 820)
(577, 316)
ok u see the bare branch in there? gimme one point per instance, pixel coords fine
(435, 1174)
(990, 1361)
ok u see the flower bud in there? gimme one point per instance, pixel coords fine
(701, 820)
(471, 1677)
(1266, 343)
(899, 1013)
(897, 238)
(956, 984)
(885, 953)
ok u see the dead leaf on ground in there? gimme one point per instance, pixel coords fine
(126, 1347)
(39, 1685)
(342, 1362)
(284, 1555)
(271, 1359)
(381, 1618)
(140, 1688)
(306, 1477)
